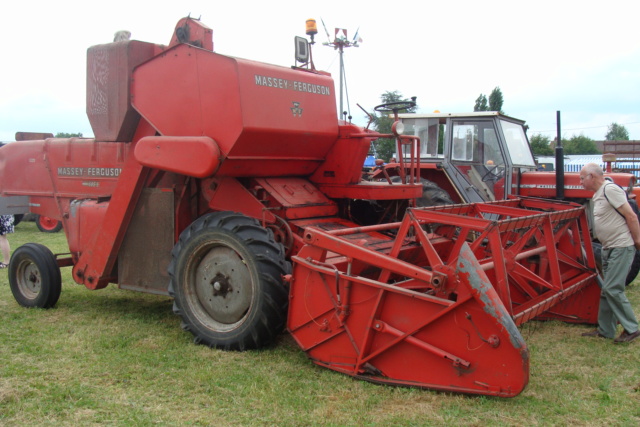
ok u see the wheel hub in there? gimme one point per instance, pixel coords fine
(29, 281)
(223, 285)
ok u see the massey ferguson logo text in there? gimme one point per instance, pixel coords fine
(292, 85)
(90, 172)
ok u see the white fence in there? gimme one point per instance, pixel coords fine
(573, 163)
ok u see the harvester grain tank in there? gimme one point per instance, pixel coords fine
(230, 186)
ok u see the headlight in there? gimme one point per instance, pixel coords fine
(398, 128)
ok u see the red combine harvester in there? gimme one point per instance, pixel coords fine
(230, 186)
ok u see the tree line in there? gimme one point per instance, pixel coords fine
(578, 144)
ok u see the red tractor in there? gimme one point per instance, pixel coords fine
(486, 156)
(230, 186)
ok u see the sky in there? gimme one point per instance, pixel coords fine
(579, 58)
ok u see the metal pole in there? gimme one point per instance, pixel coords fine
(341, 78)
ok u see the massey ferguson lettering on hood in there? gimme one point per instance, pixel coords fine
(89, 172)
(292, 85)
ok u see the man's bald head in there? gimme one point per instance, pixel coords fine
(591, 176)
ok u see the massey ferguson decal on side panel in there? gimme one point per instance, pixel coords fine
(89, 172)
(292, 85)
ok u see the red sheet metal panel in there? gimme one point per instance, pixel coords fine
(197, 156)
(373, 191)
(109, 68)
(76, 167)
(298, 197)
(274, 118)
(543, 184)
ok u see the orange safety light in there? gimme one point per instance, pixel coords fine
(312, 28)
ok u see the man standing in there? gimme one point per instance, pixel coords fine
(617, 228)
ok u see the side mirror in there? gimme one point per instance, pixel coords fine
(302, 50)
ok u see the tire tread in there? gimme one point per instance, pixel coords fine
(271, 266)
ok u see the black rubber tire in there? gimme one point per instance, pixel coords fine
(226, 280)
(633, 271)
(17, 219)
(48, 225)
(432, 194)
(34, 276)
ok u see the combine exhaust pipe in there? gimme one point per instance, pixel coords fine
(559, 161)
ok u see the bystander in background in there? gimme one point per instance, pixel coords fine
(6, 227)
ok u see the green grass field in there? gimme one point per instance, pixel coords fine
(120, 358)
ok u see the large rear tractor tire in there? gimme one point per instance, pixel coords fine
(432, 194)
(633, 271)
(34, 276)
(226, 279)
(48, 225)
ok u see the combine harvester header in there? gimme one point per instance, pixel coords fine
(230, 186)
(441, 310)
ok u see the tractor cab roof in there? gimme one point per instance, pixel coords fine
(475, 114)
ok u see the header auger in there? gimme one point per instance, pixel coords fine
(230, 186)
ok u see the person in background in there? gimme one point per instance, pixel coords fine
(617, 228)
(6, 227)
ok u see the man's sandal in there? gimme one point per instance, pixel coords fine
(3, 265)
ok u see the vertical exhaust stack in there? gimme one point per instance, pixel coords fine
(559, 161)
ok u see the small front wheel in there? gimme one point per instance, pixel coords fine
(34, 276)
(48, 225)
